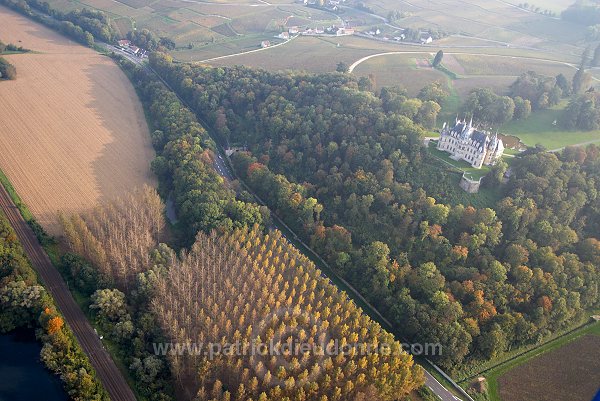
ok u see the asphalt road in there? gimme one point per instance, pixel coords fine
(108, 373)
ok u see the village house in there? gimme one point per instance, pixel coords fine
(283, 35)
(265, 43)
(464, 142)
(426, 39)
(345, 31)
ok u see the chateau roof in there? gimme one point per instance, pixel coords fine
(467, 133)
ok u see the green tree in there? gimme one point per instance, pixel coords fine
(522, 108)
(341, 67)
(438, 58)
(563, 84)
(433, 91)
(581, 81)
(109, 304)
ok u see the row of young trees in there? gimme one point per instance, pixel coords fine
(236, 288)
(249, 289)
(442, 273)
(118, 238)
(25, 303)
(112, 252)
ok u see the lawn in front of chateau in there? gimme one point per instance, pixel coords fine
(539, 128)
(471, 172)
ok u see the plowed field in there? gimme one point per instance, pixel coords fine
(72, 130)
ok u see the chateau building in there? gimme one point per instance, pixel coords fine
(464, 142)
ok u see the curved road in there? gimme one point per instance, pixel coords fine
(106, 370)
(359, 61)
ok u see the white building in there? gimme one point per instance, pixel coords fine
(476, 147)
(344, 31)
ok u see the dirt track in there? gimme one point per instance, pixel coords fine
(107, 371)
(72, 130)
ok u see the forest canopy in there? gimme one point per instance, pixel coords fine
(346, 168)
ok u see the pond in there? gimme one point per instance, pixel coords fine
(512, 142)
(23, 376)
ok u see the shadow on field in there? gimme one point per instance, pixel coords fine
(125, 159)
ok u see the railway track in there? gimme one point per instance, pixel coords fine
(111, 377)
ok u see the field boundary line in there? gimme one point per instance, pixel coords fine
(534, 351)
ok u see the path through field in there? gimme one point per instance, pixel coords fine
(72, 130)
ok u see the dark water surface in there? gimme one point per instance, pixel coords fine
(23, 376)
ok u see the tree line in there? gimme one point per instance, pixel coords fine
(185, 164)
(442, 272)
(146, 39)
(82, 25)
(583, 12)
(9, 47)
(532, 91)
(25, 303)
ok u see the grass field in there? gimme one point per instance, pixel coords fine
(539, 128)
(471, 172)
(566, 368)
(402, 70)
(72, 130)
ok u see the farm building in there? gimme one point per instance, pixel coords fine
(345, 31)
(426, 39)
(466, 143)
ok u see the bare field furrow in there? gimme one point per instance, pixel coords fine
(72, 130)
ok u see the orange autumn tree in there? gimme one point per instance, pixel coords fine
(55, 325)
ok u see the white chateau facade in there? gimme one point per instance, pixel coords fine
(476, 147)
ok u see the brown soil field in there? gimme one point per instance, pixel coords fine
(72, 130)
(571, 373)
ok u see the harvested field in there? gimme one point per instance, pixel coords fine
(571, 372)
(410, 71)
(72, 130)
(502, 65)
